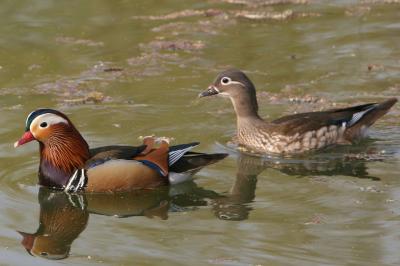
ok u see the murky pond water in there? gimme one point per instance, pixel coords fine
(123, 69)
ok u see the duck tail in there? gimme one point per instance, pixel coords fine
(367, 117)
(193, 161)
(189, 164)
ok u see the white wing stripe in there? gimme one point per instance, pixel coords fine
(174, 156)
(81, 180)
(71, 180)
(70, 187)
(357, 116)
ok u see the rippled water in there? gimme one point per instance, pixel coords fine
(123, 69)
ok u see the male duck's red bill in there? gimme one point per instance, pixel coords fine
(27, 137)
(67, 162)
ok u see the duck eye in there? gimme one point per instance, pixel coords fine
(43, 124)
(225, 80)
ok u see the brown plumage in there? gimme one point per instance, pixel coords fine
(294, 133)
(62, 219)
(66, 149)
(66, 162)
(158, 156)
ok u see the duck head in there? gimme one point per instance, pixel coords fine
(238, 87)
(62, 148)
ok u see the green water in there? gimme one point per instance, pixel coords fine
(108, 65)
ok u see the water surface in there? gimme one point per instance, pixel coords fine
(125, 69)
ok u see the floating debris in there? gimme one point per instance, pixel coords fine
(306, 99)
(316, 219)
(151, 64)
(290, 97)
(182, 14)
(91, 97)
(260, 15)
(374, 67)
(73, 41)
(358, 10)
(179, 45)
(13, 107)
(113, 69)
(380, 2)
(14, 91)
(258, 3)
(151, 58)
(375, 157)
(80, 89)
(210, 26)
(34, 66)
(178, 28)
(372, 189)
(272, 15)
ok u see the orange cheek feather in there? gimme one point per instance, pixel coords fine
(41, 134)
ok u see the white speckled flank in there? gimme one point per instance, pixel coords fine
(261, 140)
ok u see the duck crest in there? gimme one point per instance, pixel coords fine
(61, 155)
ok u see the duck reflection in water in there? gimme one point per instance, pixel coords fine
(236, 205)
(64, 216)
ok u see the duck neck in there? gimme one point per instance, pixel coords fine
(246, 106)
(246, 109)
(250, 126)
(60, 157)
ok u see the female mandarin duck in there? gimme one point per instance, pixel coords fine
(294, 133)
(66, 162)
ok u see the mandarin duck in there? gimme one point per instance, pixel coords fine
(67, 162)
(296, 133)
(63, 217)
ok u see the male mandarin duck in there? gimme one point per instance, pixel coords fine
(296, 133)
(67, 162)
(63, 217)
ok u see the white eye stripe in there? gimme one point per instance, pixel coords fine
(228, 81)
(50, 119)
(237, 82)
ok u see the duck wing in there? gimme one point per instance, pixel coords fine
(353, 118)
(100, 155)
